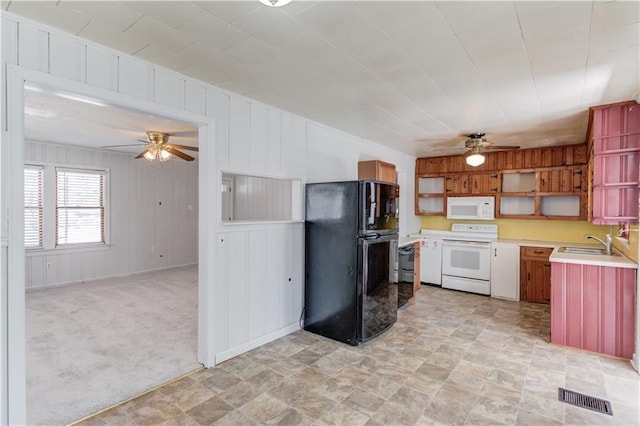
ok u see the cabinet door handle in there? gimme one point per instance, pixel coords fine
(528, 276)
(538, 251)
(475, 184)
(547, 265)
(495, 252)
(543, 182)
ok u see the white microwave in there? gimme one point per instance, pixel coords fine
(471, 208)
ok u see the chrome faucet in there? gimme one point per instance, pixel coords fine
(606, 243)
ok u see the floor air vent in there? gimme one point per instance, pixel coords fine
(585, 401)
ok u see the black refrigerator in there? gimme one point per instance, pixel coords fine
(351, 249)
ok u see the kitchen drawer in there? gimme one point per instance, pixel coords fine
(541, 253)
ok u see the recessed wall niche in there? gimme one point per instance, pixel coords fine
(247, 198)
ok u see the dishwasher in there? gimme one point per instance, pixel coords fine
(406, 256)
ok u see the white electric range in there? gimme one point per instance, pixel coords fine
(466, 257)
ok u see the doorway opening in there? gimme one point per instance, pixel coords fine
(61, 267)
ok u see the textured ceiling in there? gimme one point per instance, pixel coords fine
(414, 76)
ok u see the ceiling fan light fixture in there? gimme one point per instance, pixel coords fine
(164, 155)
(275, 3)
(475, 159)
(151, 154)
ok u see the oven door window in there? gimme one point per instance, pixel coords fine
(466, 260)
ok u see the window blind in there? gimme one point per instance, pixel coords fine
(32, 206)
(79, 207)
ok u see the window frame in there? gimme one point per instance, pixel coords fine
(49, 231)
(39, 207)
(102, 206)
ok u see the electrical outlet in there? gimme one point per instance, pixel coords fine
(49, 265)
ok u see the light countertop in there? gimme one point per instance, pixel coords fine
(620, 261)
(405, 241)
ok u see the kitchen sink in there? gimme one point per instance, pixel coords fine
(585, 250)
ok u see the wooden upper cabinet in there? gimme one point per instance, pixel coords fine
(561, 180)
(377, 170)
(555, 156)
(485, 183)
(457, 184)
(547, 183)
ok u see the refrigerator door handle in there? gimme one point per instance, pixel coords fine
(372, 212)
(372, 236)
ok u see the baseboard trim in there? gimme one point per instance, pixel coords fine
(246, 347)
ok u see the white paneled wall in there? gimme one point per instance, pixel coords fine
(253, 275)
(151, 226)
(258, 198)
(265, 299)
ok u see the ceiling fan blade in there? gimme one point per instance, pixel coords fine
(184, 134)
(142, 153)
(180, 154)
(191, 148)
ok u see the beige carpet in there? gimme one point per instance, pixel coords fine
(90, 345)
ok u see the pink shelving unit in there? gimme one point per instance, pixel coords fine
(616, 148)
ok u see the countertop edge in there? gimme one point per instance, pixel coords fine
(405, 241)
(582, 259)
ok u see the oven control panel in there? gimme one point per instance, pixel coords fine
(472, 227)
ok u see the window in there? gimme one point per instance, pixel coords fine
(65, 208)
(79, 206)
(32, 206)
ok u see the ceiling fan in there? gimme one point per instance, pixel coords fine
(476, 143)
(158, 148)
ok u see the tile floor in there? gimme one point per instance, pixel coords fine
(452, 358)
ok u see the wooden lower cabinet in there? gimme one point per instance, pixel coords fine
(593, 308)
(535, 274)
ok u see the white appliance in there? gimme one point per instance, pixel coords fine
(431, 255)
(466, 257)
(471, 208)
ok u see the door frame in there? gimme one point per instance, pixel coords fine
(12, 263)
